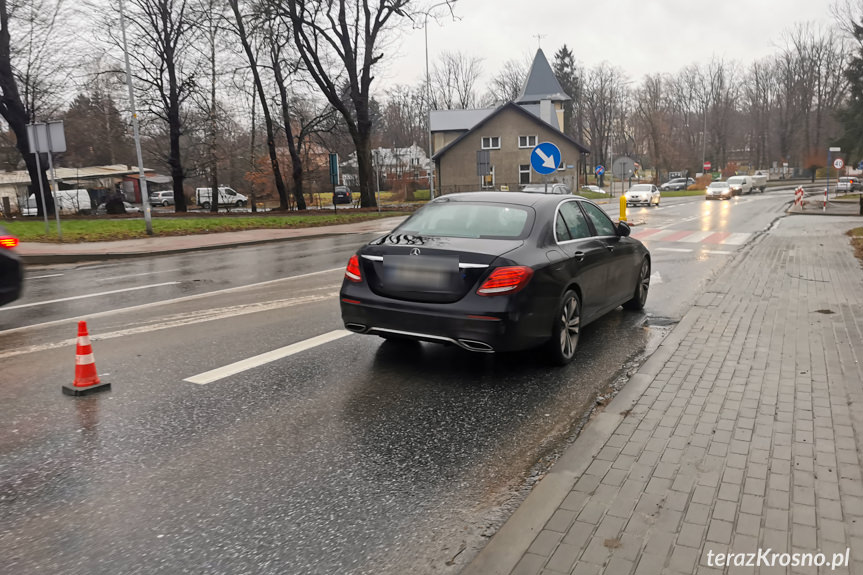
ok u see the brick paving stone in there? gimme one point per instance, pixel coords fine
(751, 434)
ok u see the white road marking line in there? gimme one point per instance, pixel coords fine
(655, 278)
(43, 277)
(737, 239)
(720, 252)
(679, 250)
(140, 274)
(85, 296)
(666, 226)
(696, 237)
(184, 319)
(160, 303)
(264, 358)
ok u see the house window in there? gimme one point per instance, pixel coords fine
(524, 174)
(487, 181)
(491, 143)
(527, 141)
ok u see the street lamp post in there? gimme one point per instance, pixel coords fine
(142, 180)
(428, 90)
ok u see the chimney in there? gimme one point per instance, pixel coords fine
(547, 113)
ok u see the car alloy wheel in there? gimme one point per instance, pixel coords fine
(566, 329)
(639, 298)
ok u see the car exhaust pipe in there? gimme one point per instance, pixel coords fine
(356, 327)
(477, 346)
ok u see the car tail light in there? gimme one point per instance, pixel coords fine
(352, 272)
(506, 280)
(8, 242)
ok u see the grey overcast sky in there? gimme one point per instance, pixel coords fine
(638, 36)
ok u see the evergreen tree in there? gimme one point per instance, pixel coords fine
(95, 132)
(568, 75)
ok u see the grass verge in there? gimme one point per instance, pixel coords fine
(100, 230)
(681, 193)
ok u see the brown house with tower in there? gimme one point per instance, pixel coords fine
(490, 149)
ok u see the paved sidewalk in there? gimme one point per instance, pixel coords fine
(48, 253)
(743, 431)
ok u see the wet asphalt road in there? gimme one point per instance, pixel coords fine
(354, 456)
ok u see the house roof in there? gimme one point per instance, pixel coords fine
(463, 120)
(519, 109)
(91, 172)
(456, 120)
(541, 83)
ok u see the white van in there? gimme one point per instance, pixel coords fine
(68, 201)
(227, 197)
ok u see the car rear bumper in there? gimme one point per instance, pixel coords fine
(485, 331)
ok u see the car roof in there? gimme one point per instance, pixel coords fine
(519, 198)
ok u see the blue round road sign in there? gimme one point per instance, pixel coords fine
(600, 169)
(545, 158)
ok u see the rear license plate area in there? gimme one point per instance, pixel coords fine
(420, 273)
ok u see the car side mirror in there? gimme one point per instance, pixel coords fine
(623, 229)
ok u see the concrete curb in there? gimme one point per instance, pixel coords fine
(501, 555)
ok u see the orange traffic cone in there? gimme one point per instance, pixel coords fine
(86, 378)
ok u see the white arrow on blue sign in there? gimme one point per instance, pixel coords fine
(545, 158)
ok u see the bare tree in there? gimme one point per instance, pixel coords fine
(506, 85)
(340, 39)
(26, 70)
(603, 97)
(163, 32)
(453, 81)
(246, 40)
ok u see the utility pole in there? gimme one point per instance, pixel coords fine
(142, 180)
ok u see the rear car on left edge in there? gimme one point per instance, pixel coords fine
(11, 270)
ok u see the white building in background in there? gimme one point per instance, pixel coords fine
(409, 163)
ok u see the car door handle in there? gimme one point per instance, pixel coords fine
(610, 248)
(579, 256)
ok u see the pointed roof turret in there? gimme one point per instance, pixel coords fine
(541, 83)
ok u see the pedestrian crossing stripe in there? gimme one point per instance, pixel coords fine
(691, 236)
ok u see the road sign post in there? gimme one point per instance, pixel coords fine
(545, 159)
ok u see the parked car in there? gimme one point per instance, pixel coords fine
(543, 189)
(130, 209)
(849, 184)
(646, 194)
(594, 189)
(226, 196)
(342, 195)
(759, 181)
(11, 270)
(495, 272)
(718, 191)
(677, 184)
(165, 198)
(740, 184)
(69, 202)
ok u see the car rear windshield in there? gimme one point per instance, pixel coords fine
(463, 220)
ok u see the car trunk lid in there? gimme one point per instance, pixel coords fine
(430, 269)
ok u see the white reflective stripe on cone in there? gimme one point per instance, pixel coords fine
(83, 340)
(84, 359)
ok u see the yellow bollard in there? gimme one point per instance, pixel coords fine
(622, 208)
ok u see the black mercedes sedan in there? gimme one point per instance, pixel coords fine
(11, 270)
(495, 272)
